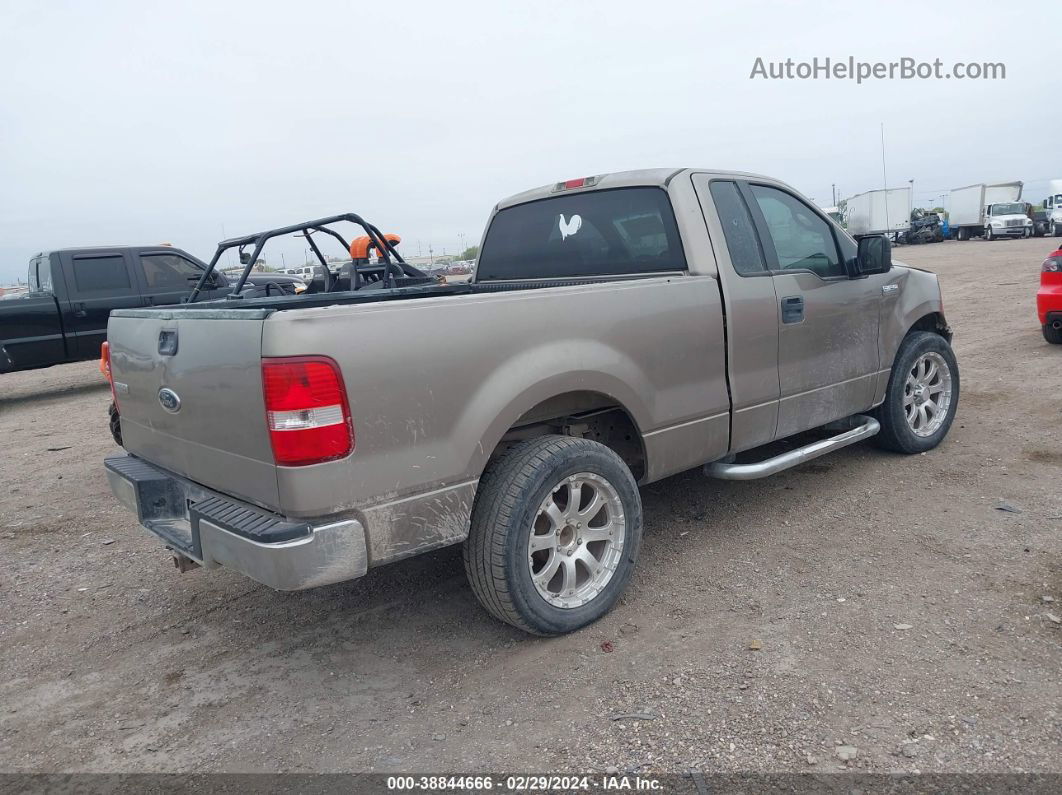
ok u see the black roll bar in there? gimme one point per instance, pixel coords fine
(259, 239)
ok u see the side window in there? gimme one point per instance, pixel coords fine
(44, 274)
(802, 240)
(99, 274)
(741, 240)
(169, 271)
(32, 278)
(849, 248)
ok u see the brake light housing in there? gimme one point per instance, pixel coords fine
(574, 184)
(105, 368)
(307, 411)
(1052, 264)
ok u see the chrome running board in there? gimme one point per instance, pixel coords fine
(859, 427)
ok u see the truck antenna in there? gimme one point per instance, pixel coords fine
(884, 179)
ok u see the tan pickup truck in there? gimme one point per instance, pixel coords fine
(617, 329)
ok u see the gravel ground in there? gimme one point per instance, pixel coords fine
(866, 611)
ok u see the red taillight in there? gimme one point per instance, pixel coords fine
(306, 410)
(105, 368)
(574, 183)
(1052, 265)
(105, 360)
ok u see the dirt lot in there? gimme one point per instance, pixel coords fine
(112, 660)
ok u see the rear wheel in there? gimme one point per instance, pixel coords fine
(556, 529)
(921, 397)
(1052, 335)
(115, 423)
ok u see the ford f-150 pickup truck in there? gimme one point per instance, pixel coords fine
(617, 329)
(63, 317)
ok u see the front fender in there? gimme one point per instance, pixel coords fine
(918, 297)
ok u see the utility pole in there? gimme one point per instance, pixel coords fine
(834, 189)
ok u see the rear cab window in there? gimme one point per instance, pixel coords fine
(593, 233)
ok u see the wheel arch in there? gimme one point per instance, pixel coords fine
(933, 322)
(586, 414)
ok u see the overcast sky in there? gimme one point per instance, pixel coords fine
(144, 122)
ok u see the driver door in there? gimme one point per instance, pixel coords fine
(827, 322)
(168, 277)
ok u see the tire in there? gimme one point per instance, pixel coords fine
(1027, 233)
(962, 234)
(1056, 230)
(1052, 335)
(115, 423)
(900, 434)
(521, 496)
(988, 234)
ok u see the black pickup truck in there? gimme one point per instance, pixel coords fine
(63, 317)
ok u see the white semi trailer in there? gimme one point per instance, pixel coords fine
(880, 212)
(989, 211)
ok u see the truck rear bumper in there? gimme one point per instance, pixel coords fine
(215, 530)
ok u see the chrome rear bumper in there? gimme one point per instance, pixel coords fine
(215, 530)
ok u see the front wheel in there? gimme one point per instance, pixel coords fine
(921, 397)
(988, 234)
(556, 529)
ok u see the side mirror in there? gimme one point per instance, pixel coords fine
(875, 255)
(245, 258)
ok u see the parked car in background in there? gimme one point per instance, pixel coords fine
(1049, 298)
(63, 316)
(617, 329)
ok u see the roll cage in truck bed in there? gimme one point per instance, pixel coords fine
(392, 269)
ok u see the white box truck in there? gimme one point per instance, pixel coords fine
(1053, 208)
(989, 211)
(880, 212)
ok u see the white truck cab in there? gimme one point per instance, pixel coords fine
(1007, 219)
(1053, 207)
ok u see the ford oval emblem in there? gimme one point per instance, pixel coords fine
(169, 400)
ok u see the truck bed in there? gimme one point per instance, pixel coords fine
(435, 376)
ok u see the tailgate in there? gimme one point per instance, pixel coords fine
(197, 411)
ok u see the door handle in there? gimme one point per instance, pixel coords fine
(80, 310)
(792, 309)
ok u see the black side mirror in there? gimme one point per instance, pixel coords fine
(244, 258)
(875, 255)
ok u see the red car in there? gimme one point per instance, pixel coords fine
(1049, 298)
